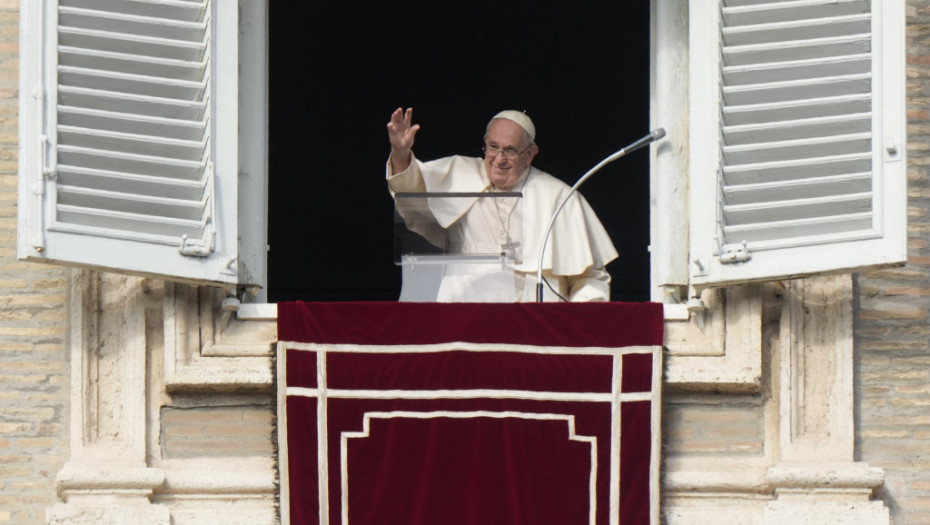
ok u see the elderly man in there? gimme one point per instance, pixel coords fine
(579, 247)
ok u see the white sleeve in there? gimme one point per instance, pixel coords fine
(592, 285)
(409, 180)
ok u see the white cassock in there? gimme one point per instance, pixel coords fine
(578, 248)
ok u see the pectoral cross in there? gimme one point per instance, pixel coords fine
(510, 248)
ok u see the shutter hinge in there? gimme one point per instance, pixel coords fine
(734, 253)
(195, 247)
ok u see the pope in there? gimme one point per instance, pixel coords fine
(579, 247)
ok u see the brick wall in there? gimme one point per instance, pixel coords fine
(892, 328)
(34, 371)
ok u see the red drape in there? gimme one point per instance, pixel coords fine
(415, 413)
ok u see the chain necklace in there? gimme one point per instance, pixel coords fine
(508, 245)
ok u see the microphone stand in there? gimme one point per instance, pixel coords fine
(653, 136)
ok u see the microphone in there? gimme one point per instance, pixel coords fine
(653, 136)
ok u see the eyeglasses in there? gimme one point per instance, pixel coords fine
(510, 153)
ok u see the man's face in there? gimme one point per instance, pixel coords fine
(505, 134)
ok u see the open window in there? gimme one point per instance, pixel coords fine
(559, 63)
(142, 138)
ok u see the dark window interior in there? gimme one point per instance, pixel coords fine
(338, 69)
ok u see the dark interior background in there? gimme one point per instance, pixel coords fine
(338, 70)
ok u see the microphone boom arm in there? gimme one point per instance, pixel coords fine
(653, 136)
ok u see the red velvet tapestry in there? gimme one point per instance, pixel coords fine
(426, 414)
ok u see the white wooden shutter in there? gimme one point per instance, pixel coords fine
(129, 139)
(797, 137)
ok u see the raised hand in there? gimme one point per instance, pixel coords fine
(401, 132)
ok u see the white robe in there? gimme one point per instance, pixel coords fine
(578, 248)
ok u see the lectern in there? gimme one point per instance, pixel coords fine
(457, 247)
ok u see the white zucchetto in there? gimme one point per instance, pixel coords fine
(520, 118)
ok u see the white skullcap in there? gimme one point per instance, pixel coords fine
(521, 119)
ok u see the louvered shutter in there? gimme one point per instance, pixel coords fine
(128, 145)
(798, 138)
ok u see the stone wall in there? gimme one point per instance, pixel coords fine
(34, 372)
(238, 427)
(713, 425)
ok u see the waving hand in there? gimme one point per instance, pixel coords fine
(401, 133)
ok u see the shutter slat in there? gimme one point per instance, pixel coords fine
(860, 64)
(735, 14)
(801, 231)
(792, 90)
(85, 230)
(796, 30)
(170, 188)
(132, 64)
(134, 222)
(803, 208)
(789, 170)
(798, 149)
(794, 189)
(134, 84)
(131, 104)
(173, 10)
(131, 24)
(131, 44)
(798, 129)
(133, 144)
(90, 198)
(797, 50)
(797, 109)
(131, 124)
(130, 163)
